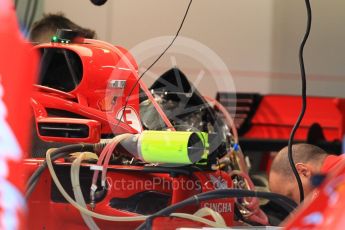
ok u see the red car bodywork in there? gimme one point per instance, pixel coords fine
(90, 98)
(101, 64)
(49, 214)
(276, 115)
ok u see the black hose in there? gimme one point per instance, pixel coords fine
(33, 180)
(304, 101)
(218, 194)
(56, 154)
(281, 200)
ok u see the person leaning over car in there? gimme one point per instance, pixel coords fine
(309, 160)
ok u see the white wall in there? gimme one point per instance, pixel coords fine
(325, 51)
(258, 40)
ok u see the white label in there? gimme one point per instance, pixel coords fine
(130, 117)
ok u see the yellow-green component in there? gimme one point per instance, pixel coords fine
(172, 147)
(204, 138)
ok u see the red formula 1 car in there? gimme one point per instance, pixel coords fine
(91, 117)
(119, 154)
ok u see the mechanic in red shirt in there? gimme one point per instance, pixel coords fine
(309, 160)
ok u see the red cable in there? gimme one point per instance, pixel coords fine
(113, 146)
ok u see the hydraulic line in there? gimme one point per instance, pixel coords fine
(218, 194)
(104, 159)
(55, 154)
(115, 143)
(79, 207)
(210, 212)
(197, 217)
(75, 169)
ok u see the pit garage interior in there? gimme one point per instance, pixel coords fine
(162, 114)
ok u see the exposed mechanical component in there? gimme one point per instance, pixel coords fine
(72, 106)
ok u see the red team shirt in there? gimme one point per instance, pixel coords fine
(330, 162)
